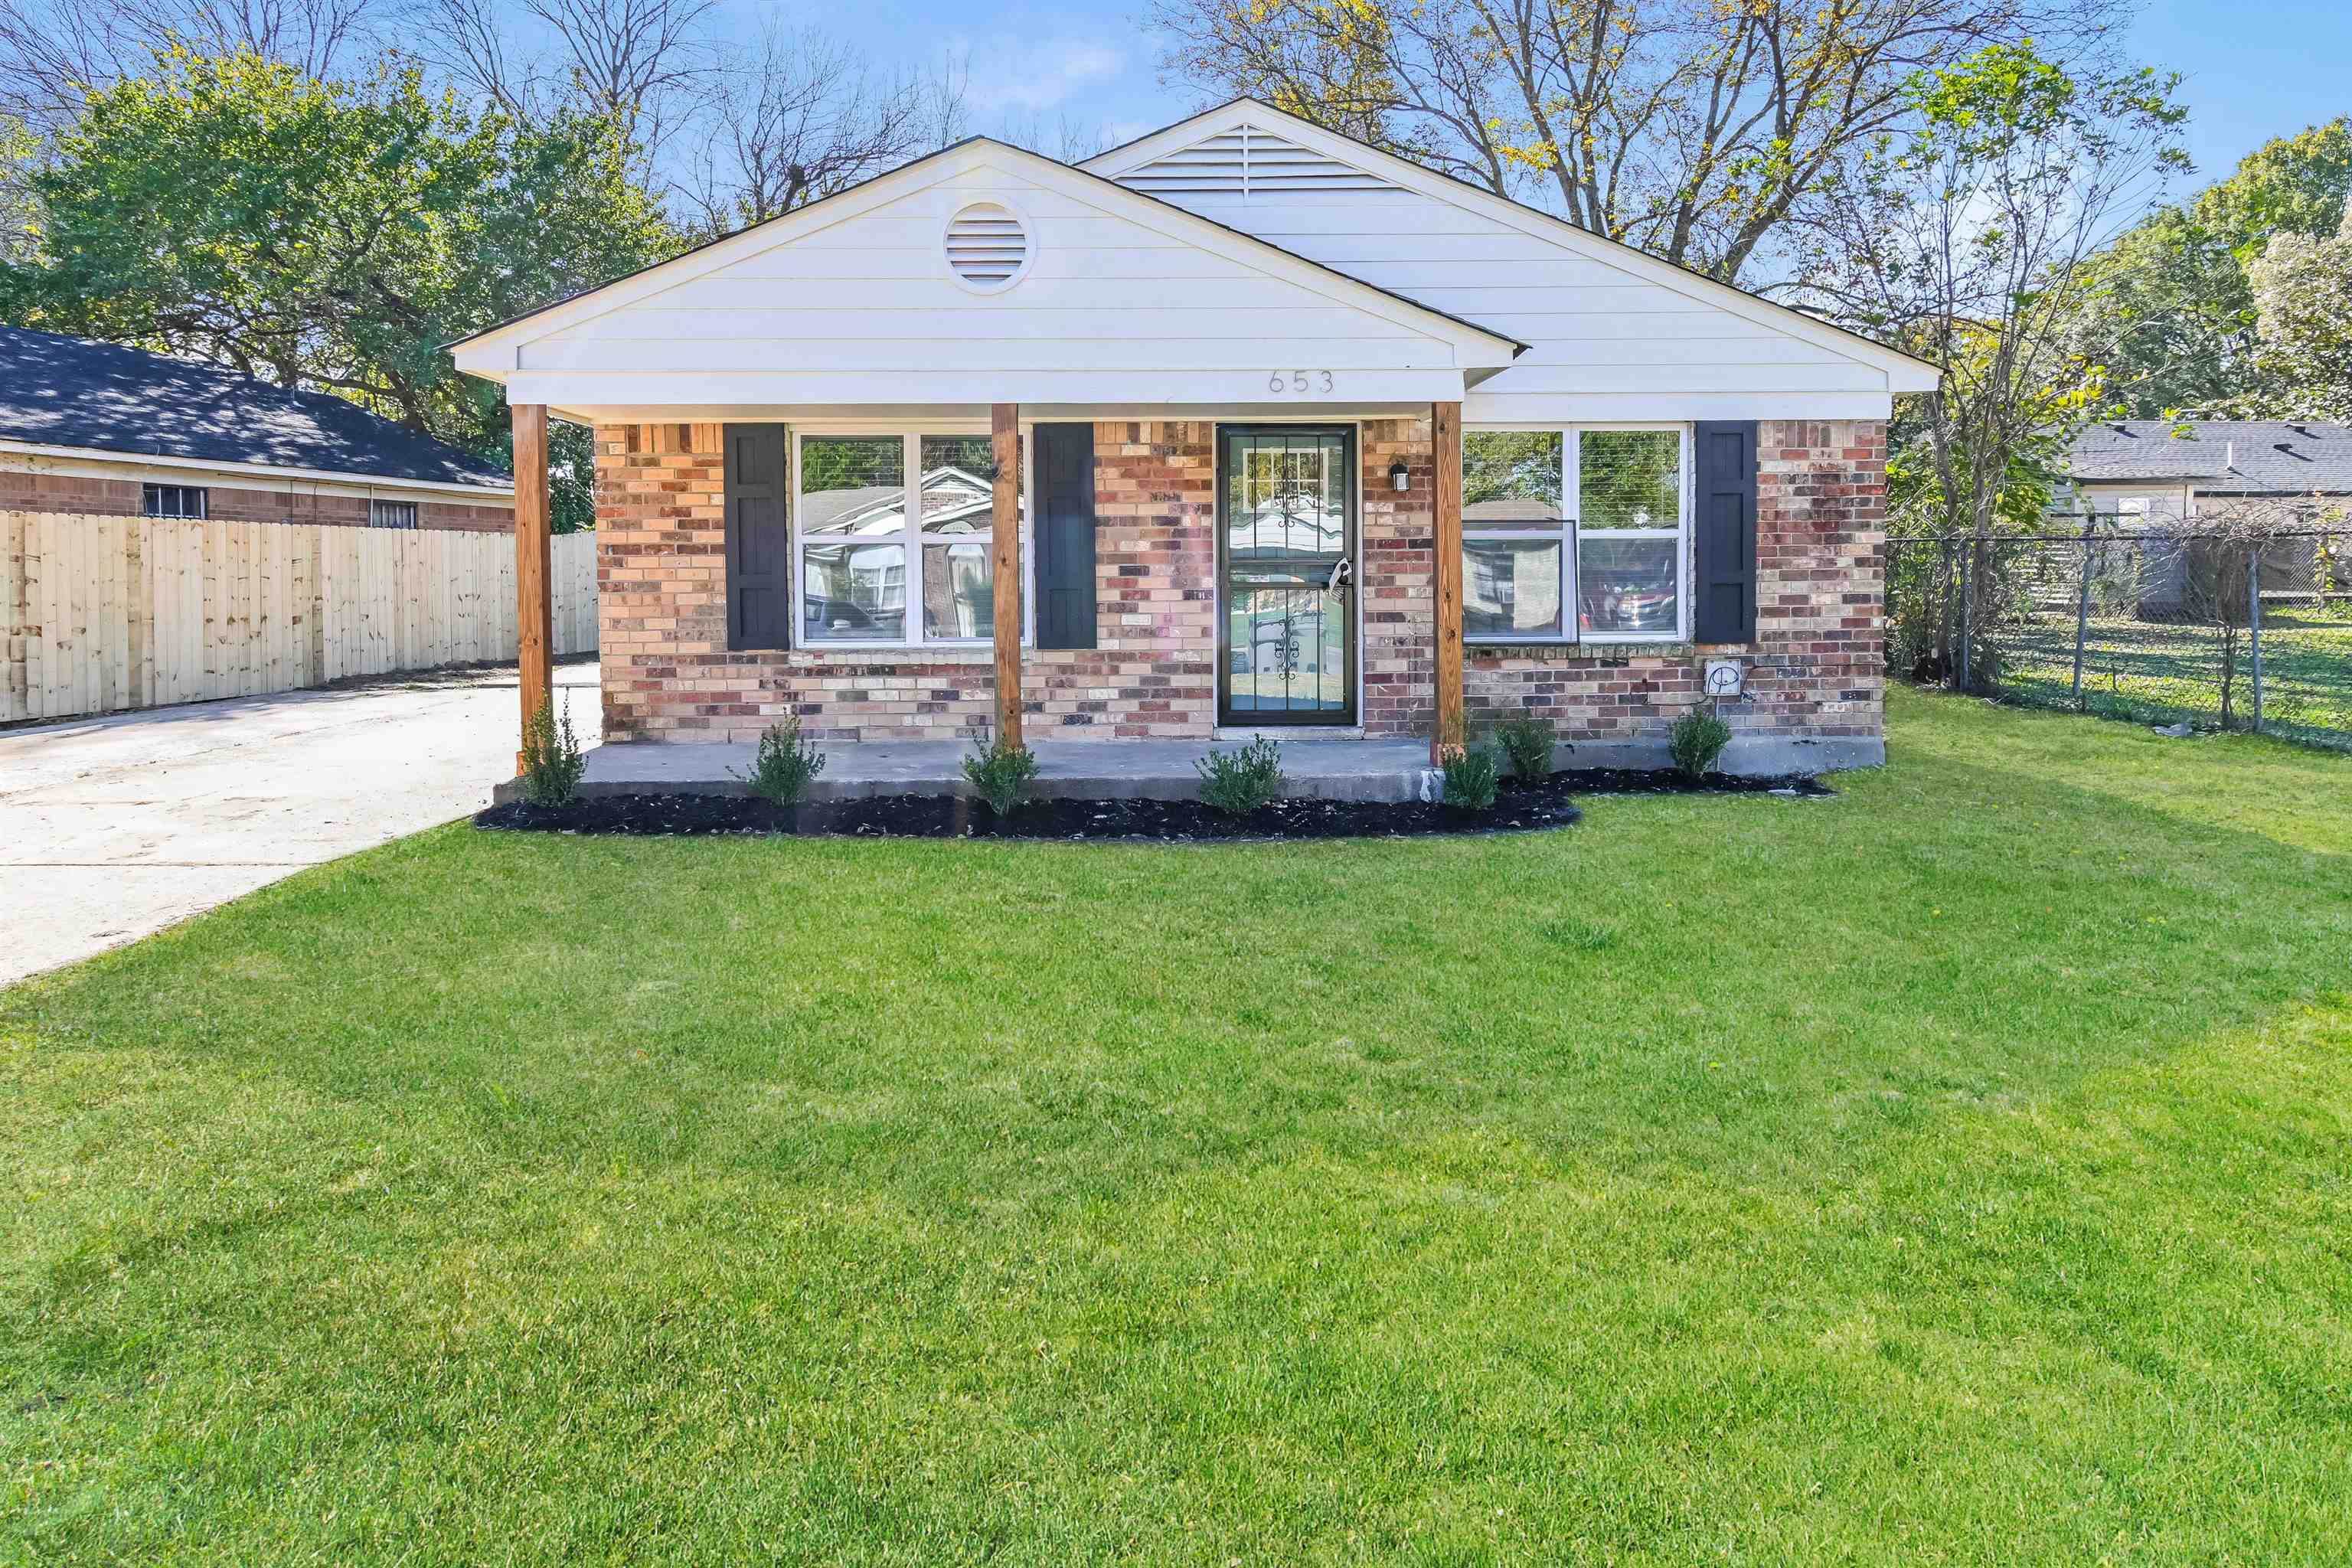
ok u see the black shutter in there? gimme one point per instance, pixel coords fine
(1065, 535)
(1723, 537)
(758, 552)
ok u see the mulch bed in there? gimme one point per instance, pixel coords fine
(1518, 808)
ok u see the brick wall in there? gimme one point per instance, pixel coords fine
(38, 491)
(661, 567)
(1815, 667)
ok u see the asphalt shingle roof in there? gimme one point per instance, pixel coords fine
(2223, 456)
(71, 392)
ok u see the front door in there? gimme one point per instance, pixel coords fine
(1286, 560)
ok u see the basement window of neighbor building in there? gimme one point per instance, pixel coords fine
(896, 539)
(1581, 522)
(174, 500)
(392, 514)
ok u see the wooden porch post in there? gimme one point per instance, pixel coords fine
(1004, 429)
(1449, 734)
(534, 616)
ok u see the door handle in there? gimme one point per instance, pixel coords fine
(1338, 581)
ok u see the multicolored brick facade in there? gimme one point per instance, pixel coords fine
(1814, 669)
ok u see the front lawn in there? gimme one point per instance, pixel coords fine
(1959, 1170)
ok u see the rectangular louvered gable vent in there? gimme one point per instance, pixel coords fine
(1248, 161)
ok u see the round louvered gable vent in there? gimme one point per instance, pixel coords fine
(988, 248)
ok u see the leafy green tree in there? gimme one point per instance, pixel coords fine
(1964, 239)
(330, 235)
(2169, 309)
(2303, 305)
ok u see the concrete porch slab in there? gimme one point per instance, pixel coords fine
(1073, 769)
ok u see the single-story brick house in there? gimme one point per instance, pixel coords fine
(99, 427)
(1243, 426)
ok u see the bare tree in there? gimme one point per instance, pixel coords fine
(1067, 140)
(647, 65)
(802, 117)
(1694, 129)
(52, 50)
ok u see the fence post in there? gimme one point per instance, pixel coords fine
(1965, 561)
(2255, 626)
(2083, 610)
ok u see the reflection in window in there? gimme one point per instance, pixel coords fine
(959, 596)
(1627, 587)
(1512, 480)
(854, 593)
(1629, 479)
(1590, 518)
(853, 484)
(1511, 588)
(959, 496)
(856, 497)
(1287, 496)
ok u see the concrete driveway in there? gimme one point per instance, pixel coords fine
(117, 827)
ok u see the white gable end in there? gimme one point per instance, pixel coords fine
(1607, 338)
(990, 283)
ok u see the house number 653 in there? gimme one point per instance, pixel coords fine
(1299, 381)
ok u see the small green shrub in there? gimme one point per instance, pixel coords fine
(1001, 774)
(785, 764)
(553, 761)
(1241, 781)
(1527, 741)
(1471, 775)
(1696, 740)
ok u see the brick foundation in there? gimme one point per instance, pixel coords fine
(1814, 670)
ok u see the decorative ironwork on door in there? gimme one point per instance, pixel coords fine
(1286, 524)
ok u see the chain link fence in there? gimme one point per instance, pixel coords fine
(2243, 628)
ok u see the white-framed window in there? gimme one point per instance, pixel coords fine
(1576, 533)
(392, 514)
(893, 538)
(174, 500)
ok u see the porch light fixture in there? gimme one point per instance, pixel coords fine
(1399, 477)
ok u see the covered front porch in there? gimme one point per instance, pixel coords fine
(1118, 679)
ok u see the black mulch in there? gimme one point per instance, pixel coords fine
(1518, 808)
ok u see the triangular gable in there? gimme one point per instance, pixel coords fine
(1093, 294)
(1132, 205)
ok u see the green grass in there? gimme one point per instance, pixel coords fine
(1954, 1172)
(2150, 672)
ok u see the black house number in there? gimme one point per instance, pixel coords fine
(1299, 381)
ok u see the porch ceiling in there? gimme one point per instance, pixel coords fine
(897, 414)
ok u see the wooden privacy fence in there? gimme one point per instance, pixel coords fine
(104, 613)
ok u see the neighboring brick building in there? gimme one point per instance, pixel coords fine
(1307, 439)
(101, 428)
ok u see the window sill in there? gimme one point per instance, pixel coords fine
(915, 653)
(1599, 647)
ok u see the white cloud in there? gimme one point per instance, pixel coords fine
(1039, 76)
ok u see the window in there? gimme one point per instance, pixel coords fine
(1588, 523)
(392, 514)
(871, 510)
(173, 500)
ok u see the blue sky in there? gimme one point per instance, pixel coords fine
(2254, 70)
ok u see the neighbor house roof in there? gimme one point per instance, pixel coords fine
(2220, 456)
(103, 397)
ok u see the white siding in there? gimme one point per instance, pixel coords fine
(1603, 342)
(866, 306)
